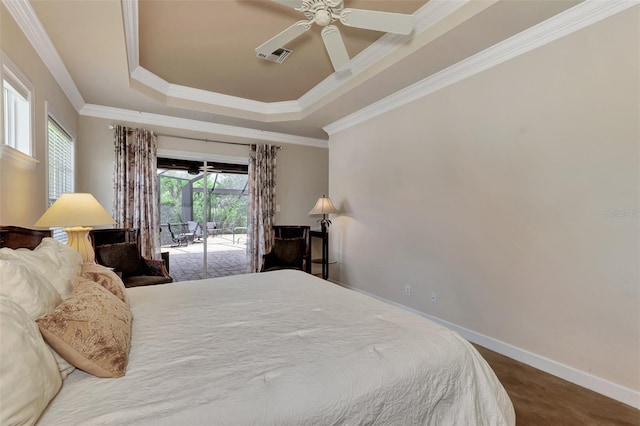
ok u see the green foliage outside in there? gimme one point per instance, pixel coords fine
(226, 210)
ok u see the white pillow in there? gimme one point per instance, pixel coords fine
(64, 366)
(59, 263)
(28, 372)
(69, 257)
(28, 287)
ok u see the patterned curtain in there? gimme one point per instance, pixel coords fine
(262, 203)
(135, 186)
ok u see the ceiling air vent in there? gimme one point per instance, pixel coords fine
(277, 56)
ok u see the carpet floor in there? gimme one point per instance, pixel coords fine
(541, 399)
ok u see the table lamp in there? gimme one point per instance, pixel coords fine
(78, 212)
(324, 206)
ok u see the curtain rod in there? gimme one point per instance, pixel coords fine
(111, 127)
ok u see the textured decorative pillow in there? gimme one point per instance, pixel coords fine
(123, 257)
(26, 286)
(289, 251)
(29, 377)
(106, 278)
(91, 330)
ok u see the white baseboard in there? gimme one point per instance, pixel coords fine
(570, 374)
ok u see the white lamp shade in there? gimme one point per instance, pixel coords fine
(323, 206)
(75, 209)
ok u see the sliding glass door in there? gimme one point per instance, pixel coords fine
(203, 212)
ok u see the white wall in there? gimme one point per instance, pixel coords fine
(514, 196)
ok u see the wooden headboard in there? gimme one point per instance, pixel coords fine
(16, 237)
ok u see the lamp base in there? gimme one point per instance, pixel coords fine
(78, 238)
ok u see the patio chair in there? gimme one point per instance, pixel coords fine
(239, 230)
(178, 236)
(195, 229)
(212, 229)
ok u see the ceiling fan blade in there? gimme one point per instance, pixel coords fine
(275, 43)
(335, 47)
(289, 3)
(389, 22)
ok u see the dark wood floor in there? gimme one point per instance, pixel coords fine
(542, 399)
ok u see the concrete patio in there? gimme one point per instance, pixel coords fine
(226, 255)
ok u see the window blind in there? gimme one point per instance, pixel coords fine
(60, 167)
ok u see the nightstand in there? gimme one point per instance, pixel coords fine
(324, 260)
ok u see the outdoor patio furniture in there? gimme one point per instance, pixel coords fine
(195, 229)
(179, 234)
(212, 229)
(239, 230)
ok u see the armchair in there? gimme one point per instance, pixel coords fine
(118, 249)
(291, 249)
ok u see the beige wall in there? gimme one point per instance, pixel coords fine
(514, 196)
(23, 194)
(302, 174)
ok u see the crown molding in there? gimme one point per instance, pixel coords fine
(427, 16)
(131, 34)
(150, 79)
(177, 94)
(28, 21)
(578, 17)
(246, 108)
(214, 129)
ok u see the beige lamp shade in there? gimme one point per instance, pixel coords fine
(323, 206)
(75, 209)
(77, 212)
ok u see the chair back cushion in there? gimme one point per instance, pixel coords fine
(123, 257)
(289, 251)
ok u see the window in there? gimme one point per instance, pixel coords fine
(16, 98)
(60, 166)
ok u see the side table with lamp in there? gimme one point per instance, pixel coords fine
(323, 207)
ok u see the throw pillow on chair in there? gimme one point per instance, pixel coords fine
(123, 257)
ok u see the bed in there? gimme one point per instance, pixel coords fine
(279, 348)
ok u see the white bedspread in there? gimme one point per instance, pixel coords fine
(283, 348)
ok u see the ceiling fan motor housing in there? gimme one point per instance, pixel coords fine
(322, 12)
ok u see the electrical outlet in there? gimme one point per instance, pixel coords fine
(407, 290)
(434, 297)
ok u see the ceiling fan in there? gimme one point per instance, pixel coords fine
(325, 12)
